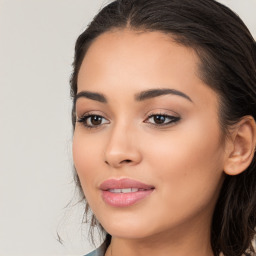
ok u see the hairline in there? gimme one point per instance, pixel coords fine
(199, 51)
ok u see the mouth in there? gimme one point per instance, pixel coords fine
(124, 192)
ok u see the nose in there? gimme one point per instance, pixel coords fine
(122, 148)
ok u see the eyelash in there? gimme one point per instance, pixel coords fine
(83, 119)
(173, 119)
(86, 117)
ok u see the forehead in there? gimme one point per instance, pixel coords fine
(137, 46)
(122, 61)
(136, 52)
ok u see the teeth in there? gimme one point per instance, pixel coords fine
(123, 190)
(115, 190)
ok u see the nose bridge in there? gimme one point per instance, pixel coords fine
(122, 147)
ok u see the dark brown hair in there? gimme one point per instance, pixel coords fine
(228, 65)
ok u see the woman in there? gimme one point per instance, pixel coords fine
(164, 128)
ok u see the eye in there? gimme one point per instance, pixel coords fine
(92, 121)
(162, 119)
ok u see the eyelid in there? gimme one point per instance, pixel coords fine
(81, 113)
(162, 111)
(85, 116)
(174, 118)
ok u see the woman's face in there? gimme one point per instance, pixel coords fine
(143, 114)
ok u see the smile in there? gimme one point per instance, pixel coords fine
(124, 192)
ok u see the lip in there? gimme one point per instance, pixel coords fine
(124, 199)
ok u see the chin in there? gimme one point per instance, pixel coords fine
(124, 227)
(131, 228)
(128, 233)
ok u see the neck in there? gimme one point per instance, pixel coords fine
(182, 244)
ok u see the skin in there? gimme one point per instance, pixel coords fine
(183, 160)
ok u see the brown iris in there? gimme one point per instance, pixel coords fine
(96, 120)
(159, 119)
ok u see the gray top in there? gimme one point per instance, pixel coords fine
(97, 252)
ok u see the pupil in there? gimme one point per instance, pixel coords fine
(96, 120)
(159, 119)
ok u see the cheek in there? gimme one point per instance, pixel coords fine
(86, 157)
(187, 162)
(194, 143)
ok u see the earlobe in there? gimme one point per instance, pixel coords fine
(243, 146)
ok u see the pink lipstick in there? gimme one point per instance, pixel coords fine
(124, 192)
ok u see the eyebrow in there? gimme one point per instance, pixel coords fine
(144, 95)
(90, 95)
(159, 92)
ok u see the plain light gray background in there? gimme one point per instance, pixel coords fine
(36, 50)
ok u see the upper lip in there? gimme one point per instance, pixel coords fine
(123, 183)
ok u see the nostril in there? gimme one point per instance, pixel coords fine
(118, 163)
(126, 161)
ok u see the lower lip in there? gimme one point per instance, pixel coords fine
(124, 199)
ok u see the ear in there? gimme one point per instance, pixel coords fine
(241, 146)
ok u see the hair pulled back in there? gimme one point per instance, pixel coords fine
(227, 52)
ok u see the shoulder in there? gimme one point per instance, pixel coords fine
(94, 253)
(97, 252)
